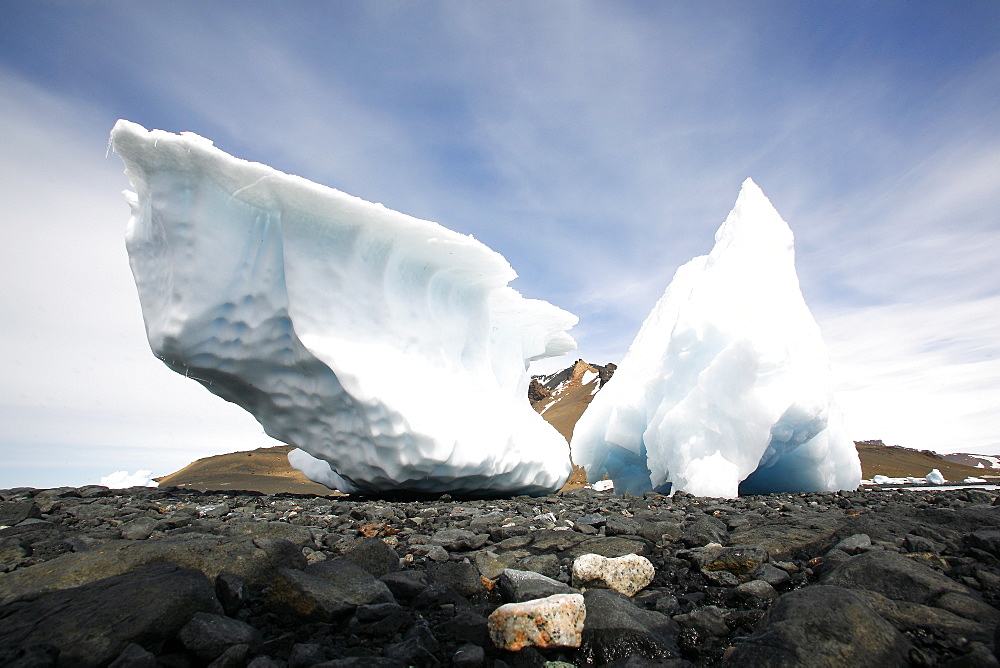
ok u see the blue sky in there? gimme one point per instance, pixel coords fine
(596, 145)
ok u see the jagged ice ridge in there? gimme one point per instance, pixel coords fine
(390, 350)
(726, 389)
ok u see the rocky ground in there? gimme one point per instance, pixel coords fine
(170, 577)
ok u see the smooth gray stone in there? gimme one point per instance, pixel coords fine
(821, 626)
(255, 560)
(375, 556)
(615, 629)
(209, 635)
(893, 575)
(518, 586)
(94, 623)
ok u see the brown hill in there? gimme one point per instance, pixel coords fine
(898, 462)
(263, 470)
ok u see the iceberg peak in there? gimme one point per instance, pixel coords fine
(726, 388)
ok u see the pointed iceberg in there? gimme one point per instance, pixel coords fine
(726, 388)
(390, 350)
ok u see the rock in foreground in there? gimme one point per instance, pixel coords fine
(867, 578)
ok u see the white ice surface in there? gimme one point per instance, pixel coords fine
(124, 480)
(886, 480)
(935, 477)
(727, 386)
(388, 347)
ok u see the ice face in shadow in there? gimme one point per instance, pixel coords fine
(726, 389)
(388, 348)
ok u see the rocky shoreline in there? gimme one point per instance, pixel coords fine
(177, 578)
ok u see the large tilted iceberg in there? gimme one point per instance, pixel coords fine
(726, 388)
(390, 350)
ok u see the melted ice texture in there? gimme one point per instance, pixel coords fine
(389, 349)
(726, 388)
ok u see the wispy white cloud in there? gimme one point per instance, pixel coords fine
(921, 375)
(77, 372)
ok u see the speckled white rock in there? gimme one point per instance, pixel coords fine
(554, 621)
(627, 574)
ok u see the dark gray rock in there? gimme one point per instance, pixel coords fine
(755, 592)
(419, 647)
(255, 560)
(893, 575)
(375, 556)
(208, 635)
(987, 540)
(705, 530)
(981, 496)
(468, 656)
(976, 655)
(854, 544)
(325, 592)
(297, 535)
(740, 561)
(459, 540)
(235, 656)
(593, 520)
(470, 627)
(37, 655)
(801, 535)
(549, 540)
(140, 528)
(926, 620)
(357, 584)
(354, 662)
(232, 592)
(405, 585)
(462, 577)
(612, 546)
(15, 512)
(491, 564)
(822, 626)
(545, 564)
(380, 620)
(134, 656)
(91, 625)
(830, 561)
(968, 607)
(655, 531)
(721, 578)
(12, 550)
(772, 575)
(620, 525)
(708, 620)
(615, 629)
(305, 655)
(41, 540)
(516, 586)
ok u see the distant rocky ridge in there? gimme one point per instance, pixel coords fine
(562, 397)
(987, 462)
